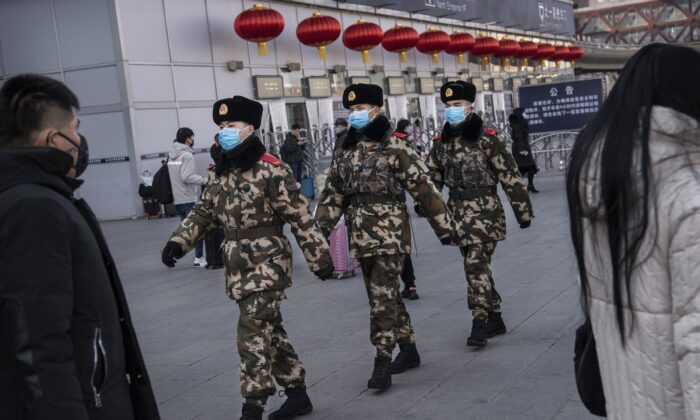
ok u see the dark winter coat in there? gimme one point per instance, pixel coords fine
(292, 152)
(520, 131)
(67, 346)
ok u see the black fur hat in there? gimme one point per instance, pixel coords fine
(458, 90)
(361, 93)
(238, 108)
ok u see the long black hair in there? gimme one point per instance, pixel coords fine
(618, 137)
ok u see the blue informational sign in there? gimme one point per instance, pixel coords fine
(561, 106)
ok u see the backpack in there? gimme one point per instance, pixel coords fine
(162, 189)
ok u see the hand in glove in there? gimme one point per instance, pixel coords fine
(171, 252)
(326, 272)
(450, 239)
(525, 225)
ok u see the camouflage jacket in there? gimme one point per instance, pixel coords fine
(379, 163)
(264, 195)
(472, 169)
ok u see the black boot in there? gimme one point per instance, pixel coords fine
(478, 337)
(297, 404)
(381, 375)
(408, 358)
(495, 325)
(532, 189)
(251, 412)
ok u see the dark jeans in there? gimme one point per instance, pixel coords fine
(296, 169)
(531, 171)
(407, 275)
(183, 210)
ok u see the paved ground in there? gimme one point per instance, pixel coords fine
(186, 326)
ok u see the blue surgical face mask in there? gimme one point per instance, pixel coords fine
(229, 138)
(455, 115)
(359, 119)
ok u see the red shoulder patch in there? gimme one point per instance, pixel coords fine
(401, 135)
(271, 159)
(437, 138)
(490, 132)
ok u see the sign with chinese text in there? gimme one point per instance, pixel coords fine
(318, 87)
(426, 85)
(396, 85)
(561, 106)
(268, 87)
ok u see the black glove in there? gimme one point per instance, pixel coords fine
(326, 272)
(171, 252)
(525, 225)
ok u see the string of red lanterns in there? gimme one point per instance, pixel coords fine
(261, 24)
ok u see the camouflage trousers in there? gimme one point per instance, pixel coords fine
(482, 295)
(264, 348)
(389, 321)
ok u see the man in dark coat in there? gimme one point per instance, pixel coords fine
(293, 151)
(341, 131)
(522, 153)
(67, 346)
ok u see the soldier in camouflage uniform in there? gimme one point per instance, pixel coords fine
(252, 195)
(364, 183)
(472, 161)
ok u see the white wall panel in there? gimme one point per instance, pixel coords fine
(194, 83)
(85, 32)
(98, 86)
(111, 191)
(188, 31)
(226, 44)
(155, 130)
(143, 29)
(231, 83)
(106, 134)
(151, 83)
(30, 21)
(287, 45)
(199, 120)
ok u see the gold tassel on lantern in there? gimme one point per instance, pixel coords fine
(365, 56)
(506, 63)
(436, 58)
(262, 49)
(402, 56)
(573, 64)
(322, 52)
(484, 60)
(525, 62)
(460, 59)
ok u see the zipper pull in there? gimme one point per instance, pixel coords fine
(98, 400)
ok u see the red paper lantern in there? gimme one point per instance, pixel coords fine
(575, 53)
(527, 50)
(460, 44)
(484, 47)
(259, 24)
(544, 51)
(433, 42)
(400, 39)
(560, 53)
(507, 48)
(318, 31)
(362, 36)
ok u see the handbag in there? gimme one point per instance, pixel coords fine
(587, 370)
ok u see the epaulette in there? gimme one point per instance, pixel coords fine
(401, 135)
(490, 132)
(437, 138)
(271, 159)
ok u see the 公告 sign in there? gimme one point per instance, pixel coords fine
(561, 106)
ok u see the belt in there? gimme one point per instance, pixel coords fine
(473, 193)
(364, 199)
(253, 233)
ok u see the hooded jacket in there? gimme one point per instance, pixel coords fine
(67, 346)
(183, 177)
(657, 375)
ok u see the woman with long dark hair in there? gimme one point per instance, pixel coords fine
(634, 201)
(522, 153)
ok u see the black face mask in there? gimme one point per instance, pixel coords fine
(83, 154)
(215, 152)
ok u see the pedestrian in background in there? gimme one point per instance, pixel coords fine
(252, 196)
(68, 349)
(185, 181)
(522, 153)
(634, 202)
(341, 131)
(293, 151)
(472, 161)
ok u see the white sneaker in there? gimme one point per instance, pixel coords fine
(200, 262)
